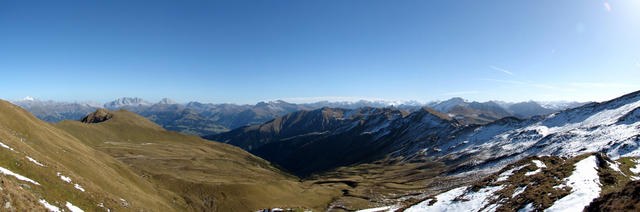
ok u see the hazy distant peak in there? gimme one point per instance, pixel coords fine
(167, 101)
(279, 101)
(126, 101)
(449, 104)
(28, 98)
(91, 104)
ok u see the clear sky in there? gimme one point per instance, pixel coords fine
(244, 51)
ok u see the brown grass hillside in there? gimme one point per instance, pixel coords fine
(196, 174)
(104, 179)
(125, 162)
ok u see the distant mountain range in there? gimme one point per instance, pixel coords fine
(580, 157)
(345, 159)
(206, 119)
(350, 136)
(484, 112)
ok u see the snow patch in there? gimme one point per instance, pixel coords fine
(615, 167)
(78, 187)
(102, 206)
(64, 178)
(527, 208)
(542, 130)
(561, 186)
(68, 180)
(506, 174)
(20, 177)
(491, 208)
(381, 209)
(442, 201)
(518, 191)
(585, 186)
(532, 172)
(35, 161)
(636, 169)
(73, 208)
(6, 147)
(49, 207)
(469, 201)
(539, 164)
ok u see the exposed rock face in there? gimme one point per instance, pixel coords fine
(100, 115)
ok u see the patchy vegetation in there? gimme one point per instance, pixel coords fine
(15, 198)
(627, 199)
(538, 182)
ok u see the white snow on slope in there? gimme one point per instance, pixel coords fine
(6, 147)
(443, 200)
(35, 161)
(381, 209)
(599, 129)
(506, 174)
(518, 191)
(592, 128)
(68, 180)
(533, 172)
(73, 208)
(78, 187)
(616, 167)
(585, 186)
(636, 169)
(527, 208)
(49, 207)
(20, 177)
(539, 164)
(471, 201)
(64, 178)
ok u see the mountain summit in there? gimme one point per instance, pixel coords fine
(96, 117)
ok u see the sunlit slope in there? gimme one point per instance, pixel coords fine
(55, 167)
(206, 175)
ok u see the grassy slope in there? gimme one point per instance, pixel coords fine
(18, 199)
(205, 175)
(105, 179)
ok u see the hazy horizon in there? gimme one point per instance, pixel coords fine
(308, 100)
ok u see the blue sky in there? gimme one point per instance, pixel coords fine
(246, 51)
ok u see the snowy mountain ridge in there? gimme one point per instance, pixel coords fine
(611, 127)
(426, 134)
(532, 156)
